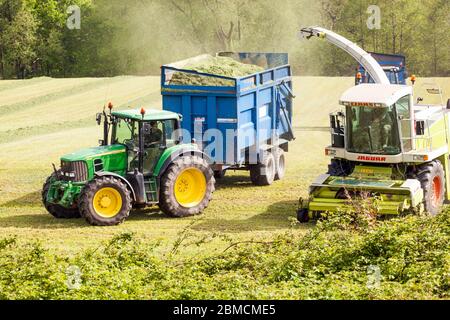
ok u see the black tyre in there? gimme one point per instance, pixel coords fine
(432, 180)
(303, 215)
(105, 201)
(263, 174)
(340, 168)
(186, 187)
(280, 163)
(219, 174)
(55, 210)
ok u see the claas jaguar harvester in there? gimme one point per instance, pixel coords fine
(384, 146)
(139, 163)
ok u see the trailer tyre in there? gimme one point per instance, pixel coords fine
(55, 210)
(263, 174)
(105, 201)
(280, 164)
(432, 179)
(186, 187)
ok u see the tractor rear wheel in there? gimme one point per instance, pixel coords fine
(55, 210)
(263, 174)
(105, 201)
(432, 178)
(186, 187)
(280, 163)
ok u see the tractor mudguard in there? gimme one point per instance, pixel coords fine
(173, 153)
(115, 175)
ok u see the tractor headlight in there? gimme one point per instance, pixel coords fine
(330, 152)
(422, 157)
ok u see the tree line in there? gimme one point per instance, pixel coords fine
(138, 36)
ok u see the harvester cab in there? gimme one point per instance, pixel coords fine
(141, 161)
(385, 150)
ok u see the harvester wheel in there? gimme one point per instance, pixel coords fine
(432, 179)
(303, 215)
(105, 201)
(280, 163)
(339, 168)
(55, 210)
(263, 174)
(186, 187)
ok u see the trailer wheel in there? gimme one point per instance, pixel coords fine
(432, 179)
(280, 163)
(186, 187)
(55, 210)
(263, 174)
(105, 201)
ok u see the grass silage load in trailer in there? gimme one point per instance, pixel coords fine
(221, 66)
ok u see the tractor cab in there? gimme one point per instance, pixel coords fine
(146, 134)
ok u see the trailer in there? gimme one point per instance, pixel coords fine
(241, 123)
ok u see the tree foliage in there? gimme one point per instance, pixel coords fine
(138, 36)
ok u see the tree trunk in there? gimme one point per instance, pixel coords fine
(2, 70)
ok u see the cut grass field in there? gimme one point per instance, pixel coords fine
(42, 119)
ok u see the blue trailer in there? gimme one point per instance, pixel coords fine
(244, 123)
(394, 65)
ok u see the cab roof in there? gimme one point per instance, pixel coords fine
(376, 95)
(150, 114)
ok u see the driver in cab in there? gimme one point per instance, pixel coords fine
(375, 133)
(152, 140)
(152, 135)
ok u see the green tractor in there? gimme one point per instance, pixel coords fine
(141, 162)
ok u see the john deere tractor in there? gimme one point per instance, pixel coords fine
(141, 161)
(386, 146)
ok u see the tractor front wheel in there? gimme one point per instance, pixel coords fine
(186, 187)
(432, 179)
(105, 201)
(55, 210)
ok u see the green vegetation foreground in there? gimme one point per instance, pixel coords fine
(344, 257)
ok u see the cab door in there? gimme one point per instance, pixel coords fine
(404, 114)
(157, 137)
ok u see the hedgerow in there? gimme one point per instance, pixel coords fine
(402, 258)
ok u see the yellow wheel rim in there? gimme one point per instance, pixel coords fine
(107, 202)
(190, 188)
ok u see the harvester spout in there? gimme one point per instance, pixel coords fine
(365, 59)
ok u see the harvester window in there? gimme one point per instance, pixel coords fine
(373, 130)
(404, 114)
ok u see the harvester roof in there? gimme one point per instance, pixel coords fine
(374, 95)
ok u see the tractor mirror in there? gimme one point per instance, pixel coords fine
(98, 118)
(333, 121)
(420, 128)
